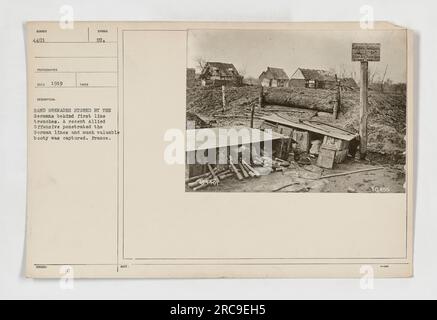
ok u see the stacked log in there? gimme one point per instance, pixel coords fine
(303, 98)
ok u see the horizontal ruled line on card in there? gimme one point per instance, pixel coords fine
(66, 42)
(78, 87)
(75, 71)
(75, 57)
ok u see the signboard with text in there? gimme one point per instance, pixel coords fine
(366, 52)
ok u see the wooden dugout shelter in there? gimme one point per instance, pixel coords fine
(224, 142)
(336, 143)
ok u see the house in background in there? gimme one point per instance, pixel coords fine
(273, 77)
(219, 73)
(309, 78)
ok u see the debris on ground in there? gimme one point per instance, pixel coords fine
(298, 171)
(240, 170)
(387, 114)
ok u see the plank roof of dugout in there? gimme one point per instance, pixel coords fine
(313, 126)
(213, 138)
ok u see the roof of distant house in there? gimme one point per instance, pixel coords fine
(319, 75)
(275, 73)
(224, 69)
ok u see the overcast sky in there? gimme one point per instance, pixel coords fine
(252, 51)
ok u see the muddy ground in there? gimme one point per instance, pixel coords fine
(389, 179)
(386, 144)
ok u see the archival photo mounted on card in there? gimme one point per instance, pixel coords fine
(204, 150)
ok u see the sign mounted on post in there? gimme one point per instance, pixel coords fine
(366, 52)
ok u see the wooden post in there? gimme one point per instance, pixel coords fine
(223, 98)
(338, 104)
(365, 52)
(261, 97)
(363, 108)
(383, 79)
(252, 115)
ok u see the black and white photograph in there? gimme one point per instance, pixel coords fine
(296, 111)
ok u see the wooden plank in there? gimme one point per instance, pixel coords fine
(212, 138)
(245, 174)
(331, 130)
(194, 178)
(312, 127)
(256, 173)
(326, 158)
(341, 155)
(211, 170)
(350, 172)
(234, 169)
